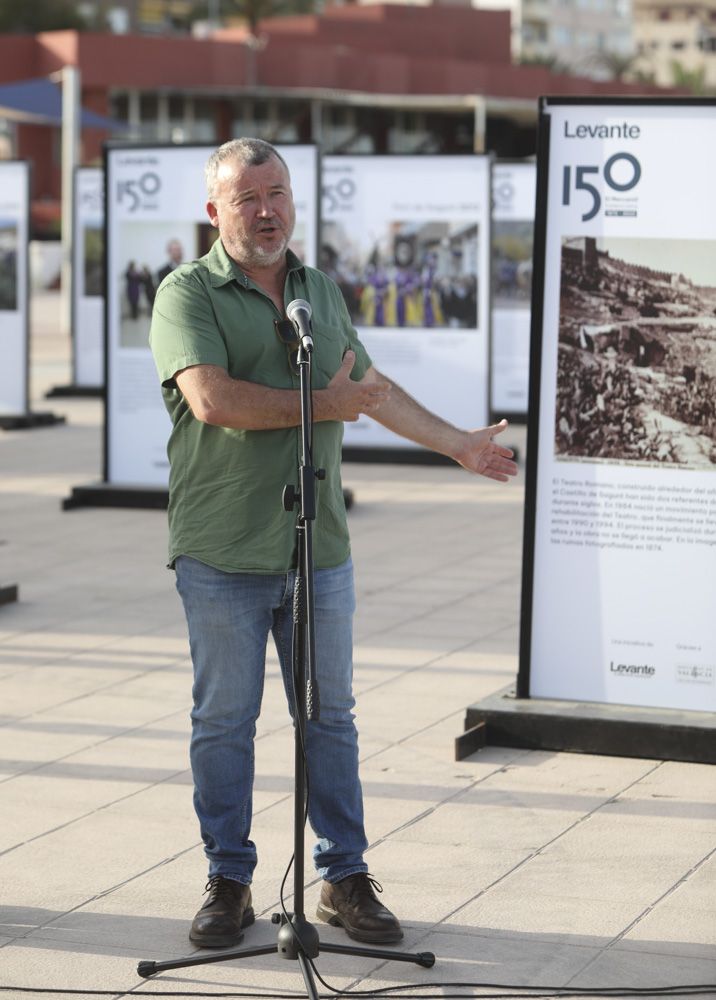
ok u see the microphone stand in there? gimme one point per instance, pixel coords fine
(298, 939)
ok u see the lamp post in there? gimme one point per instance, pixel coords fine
(70, 159)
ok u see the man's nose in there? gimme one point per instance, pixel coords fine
(264, 207)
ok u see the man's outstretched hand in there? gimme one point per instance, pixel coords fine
(480, 454)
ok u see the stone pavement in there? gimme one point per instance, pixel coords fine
(514, 867)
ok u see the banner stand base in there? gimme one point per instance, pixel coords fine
(85, 391)
(590, 727)
(110, 495)
(24, 421)
(136, 497)
(8, 593)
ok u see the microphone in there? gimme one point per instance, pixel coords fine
(299, 312)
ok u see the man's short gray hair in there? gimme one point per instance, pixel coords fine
(249, 152)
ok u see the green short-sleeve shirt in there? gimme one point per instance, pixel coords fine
(226, 486)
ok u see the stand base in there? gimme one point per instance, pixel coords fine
(589, 727)
(8, 593)
(298, 941)
(85, 391)
(109, 495)
(137, 497)
(25, 421)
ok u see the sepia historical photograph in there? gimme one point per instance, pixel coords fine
(93, 271)
(8, 266)
(512, 263)
(636, 375)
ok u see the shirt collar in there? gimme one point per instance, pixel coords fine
(223, 268)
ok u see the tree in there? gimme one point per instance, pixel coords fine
(690, 79)
(550, 63)
(619, 65)
(31, 16)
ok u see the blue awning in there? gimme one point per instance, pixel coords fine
(39, 102)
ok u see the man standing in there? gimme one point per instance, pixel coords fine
(233, 398)
(175, 256)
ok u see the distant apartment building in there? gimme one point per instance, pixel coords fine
(143, 16)
(676, 42)
(586, 37)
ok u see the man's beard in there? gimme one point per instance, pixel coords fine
(251, 255)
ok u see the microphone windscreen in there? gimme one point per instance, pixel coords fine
(296, 306)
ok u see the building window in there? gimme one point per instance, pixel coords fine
(562, 36)
(273, 120)
(119, 107)
(177, 116)
(7, 139)
(148, 116)
(287, 118)
(408, 133)
(342, 131)
(204, 124)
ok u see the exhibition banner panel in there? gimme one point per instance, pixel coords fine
(407, 238)
(513, 210)
(14, 304)
(620, 533)
(88, 278)
(156, 219)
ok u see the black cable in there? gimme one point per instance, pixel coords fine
(533, 992)
(298, 722)
(310, 410)
(55, 991)
(536, 991)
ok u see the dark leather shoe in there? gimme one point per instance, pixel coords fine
(227, 910)
(353, 905)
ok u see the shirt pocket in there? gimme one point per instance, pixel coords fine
(329, 346)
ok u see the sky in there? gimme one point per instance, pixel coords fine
(695, 259)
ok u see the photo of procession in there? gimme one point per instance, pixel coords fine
(8, 266)
(415, 274)
(93, 243)
(636, 367)
(512, 263)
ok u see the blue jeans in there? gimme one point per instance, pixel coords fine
(230, 616)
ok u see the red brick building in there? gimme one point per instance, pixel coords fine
(355, 79)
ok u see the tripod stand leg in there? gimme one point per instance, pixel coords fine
(146, 969)
(305, 966)
(424, 958)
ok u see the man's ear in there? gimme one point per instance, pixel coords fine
(213, 214)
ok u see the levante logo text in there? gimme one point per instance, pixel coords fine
(632, 669)
(621, 131)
